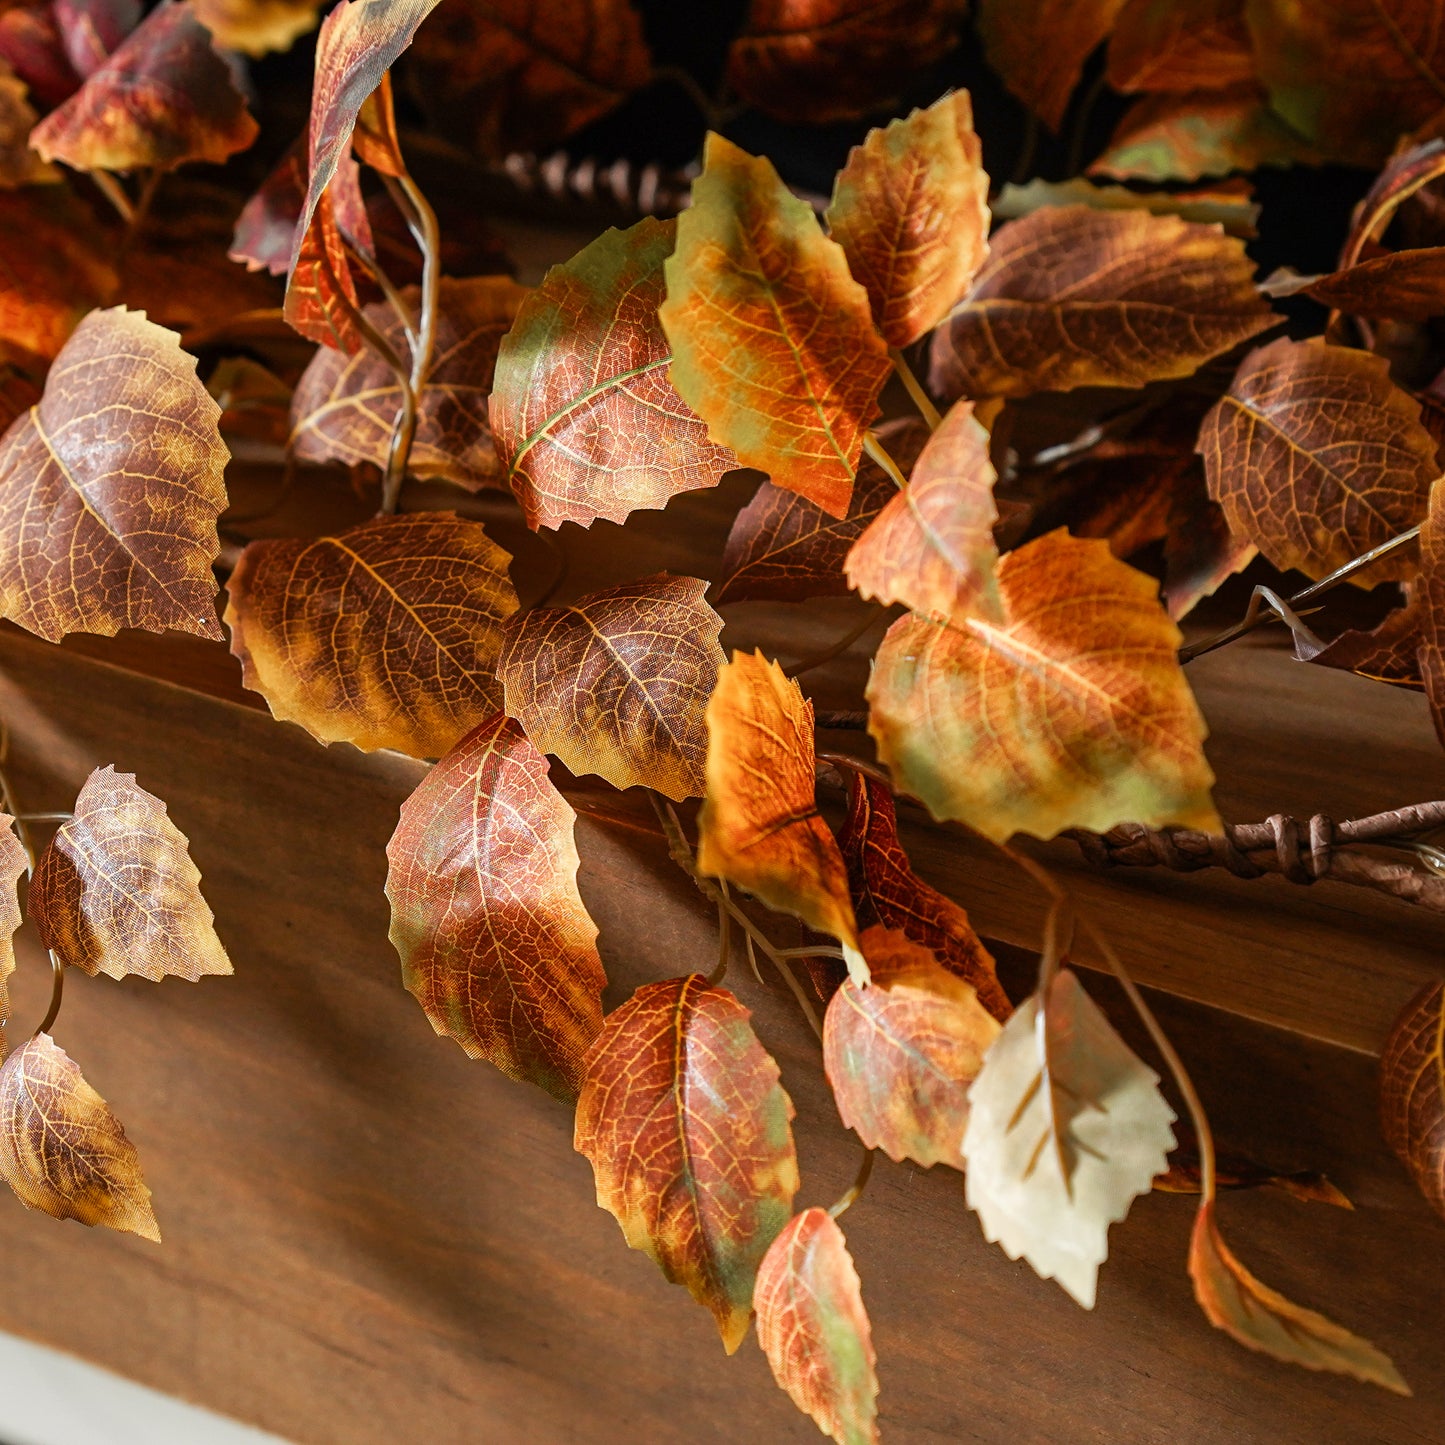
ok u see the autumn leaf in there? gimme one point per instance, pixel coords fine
(910, 210)
(1388, 653)
(760, 827)
(1071, 296)
(265, 234)
(110, 489)
(1180, 45)
(773, 342)
(1398, 286)
(530, 73)
(812, 61)
(92, 30)
(1229, 203)
(116, 892)
(1039, 47)
(1237, 1171)
(33, 46)
(1412, 1091)
(932, 547)
(345, 407)
(13, 863)
(617, 682)
(1073, 715)
(887, 892)
(322, 296)
(494, 939)
(163, 98)
(689, 1135)
(62, 1150)
(1066, 1127)
(257, 27)
(814, 1330)
(1261, 1319)
(19, 165)
(1317, 456)
(1408, 171)
(385, 635)
(901, 1053)
(784, 548)
(586, 419)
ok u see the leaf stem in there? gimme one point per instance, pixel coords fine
(114, 192)
(875, 449)
(725, 943)
(858, 1186)
(797, 669)
(142, 208)
(914, 387)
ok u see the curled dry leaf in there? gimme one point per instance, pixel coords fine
(163, 98)
(785, 548)
(116, 891)
(1072, 296)
(257, 27)
(617, 683)
(110, 488)
(494, 939)
(1075, 714)
(14, 862)
(690, 1137)
(1260, 1318)
(1180, 45)
(62, 1150)
(814, 1330)
(586, 419)
(1317, 456)
(811, 61)
(901, 1053)
(1066, 1128)
(345, 408)
(760, 827)
(385, 635)
(1412, 1091)
(910, 210)
(773, 341)
(932, 547)
(886, 891)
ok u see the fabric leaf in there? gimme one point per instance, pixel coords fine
(14, 862)
(1180, 45)
(1412, 1091)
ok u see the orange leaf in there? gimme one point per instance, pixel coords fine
(887, 892)
(1398, 286)
(759, 827)
(932, 546)
(773, 342)
(321, 290)
(689, 1134)
(814, 1330)
(1234, 1301)
(1317, 456)
(494, 939)
(785, 548)
(62, 1150)
(617, 682)
(1074, 715)
(13, 863)
(385, 635)
(1390, 653)
(1412, 1091)
(1071, 296)
(1180, 45)
(586, 420)
(257, 27)
(116, 891)
(901, 1053)
(910, 210)
(163, 98)
(345, 408)
(110, 488)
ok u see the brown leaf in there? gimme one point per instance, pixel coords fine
(812, 61)
(33, 46)
(164, 98)
(1316, 456)
(14, 861)
(887, 892)
(931, 547)
(1390, 653)
(528, 73)
(1407, 174)
(257, 27)
(814, 1330)
(1071, 296)
(19, 165)
(191, 288)
(384, 636)
(689, 1134)
(901, 1053)
(1412, 1091)
(910, 210)
(494, 939)
(753, 276)
(345, 407)
(1074, 715)
(587, 422)
(1234, 1301)
(1229, 203)
(1236, 1171)
(1039, 47)
(759, 827)
(116, 891)
(785, 548)
(1180, 45)
(110, 488)
(62, 1150)
(617, 683)
(1398, 286)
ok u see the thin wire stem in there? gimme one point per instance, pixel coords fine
(812, 950)
(373, 268)
(797, 669)
(725, 943)
(875, 449)
(142, 208)
(858, 1186)
(114, 192)
(914, 387)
